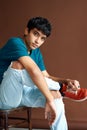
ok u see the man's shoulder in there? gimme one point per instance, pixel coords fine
(15, 42)
(14, 39)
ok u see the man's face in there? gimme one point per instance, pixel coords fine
(35, 38)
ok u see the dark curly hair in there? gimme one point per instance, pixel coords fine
(41, 24)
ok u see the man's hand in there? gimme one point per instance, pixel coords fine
(50, 112)
(73, 84)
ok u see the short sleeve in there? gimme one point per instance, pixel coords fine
(14, 49)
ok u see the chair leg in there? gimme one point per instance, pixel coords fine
(29, 118)
(6, 121)
(1, 124)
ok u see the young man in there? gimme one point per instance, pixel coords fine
(24, 79)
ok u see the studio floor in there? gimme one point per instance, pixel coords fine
(25, 129)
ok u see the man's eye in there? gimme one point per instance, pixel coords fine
(36, 33)
(43, 39)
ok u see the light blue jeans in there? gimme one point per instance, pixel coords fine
(17, 89)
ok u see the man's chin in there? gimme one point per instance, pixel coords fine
(33, 48)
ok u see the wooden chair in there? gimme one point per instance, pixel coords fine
(9, 119)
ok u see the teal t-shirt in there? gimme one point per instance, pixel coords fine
(13, 50)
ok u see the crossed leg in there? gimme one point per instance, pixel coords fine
(18, 65)
(57, 125)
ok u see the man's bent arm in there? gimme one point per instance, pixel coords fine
(36, 76)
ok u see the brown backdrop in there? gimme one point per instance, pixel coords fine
(66, 49)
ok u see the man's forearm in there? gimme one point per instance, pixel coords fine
(40, 82)
(36, 75)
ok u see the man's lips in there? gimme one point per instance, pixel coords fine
(34, 45)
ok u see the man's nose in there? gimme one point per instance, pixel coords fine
(37, 40)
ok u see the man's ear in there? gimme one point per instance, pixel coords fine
(26, 31)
